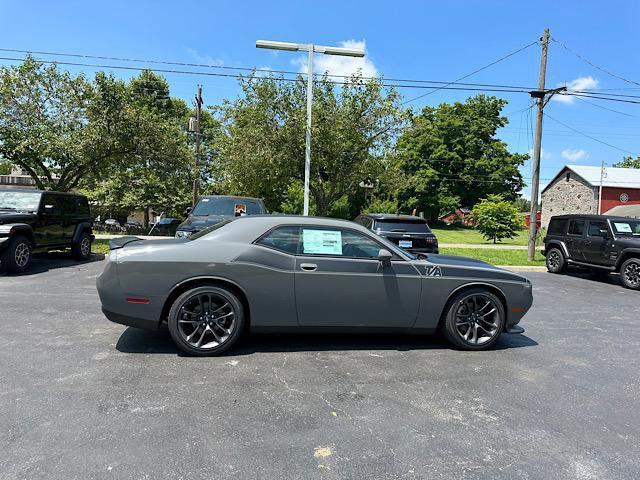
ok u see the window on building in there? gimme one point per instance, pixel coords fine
(567, 176)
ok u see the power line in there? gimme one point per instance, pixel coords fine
(238, 76)
(474, 72)
(606, 108)
(247, 69)
(589, 136)
(602, 69)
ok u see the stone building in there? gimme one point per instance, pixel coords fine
(576, 189)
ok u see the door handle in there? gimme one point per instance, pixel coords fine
(587, 243)
(308, 267)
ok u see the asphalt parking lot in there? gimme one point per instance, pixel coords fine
(83, 398)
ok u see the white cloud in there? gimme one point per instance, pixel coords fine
(204, 59)
(544, 155)
(580, 83)
(574, 155)
(337, 65)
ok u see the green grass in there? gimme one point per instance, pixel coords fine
(496, 256)
(490, 255)
(470, 236)
(100, 245)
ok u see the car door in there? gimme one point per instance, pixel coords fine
(339, 281)
(575, 239)
(69, 218)
(596, 244)
(51, 215)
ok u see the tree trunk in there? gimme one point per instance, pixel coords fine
(146, 218)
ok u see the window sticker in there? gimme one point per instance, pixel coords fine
(323, 242)
(623, 227)
(240, 209)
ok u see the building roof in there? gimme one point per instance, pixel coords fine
(613, 177)
(625, 211)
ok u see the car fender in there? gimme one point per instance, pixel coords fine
(13, 229)
(559, 244)
(80, 229)
(625, 254)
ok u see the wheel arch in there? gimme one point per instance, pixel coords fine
(470, 286)
(557, 244)
(195, 282)
(626, 255)
(22, 230)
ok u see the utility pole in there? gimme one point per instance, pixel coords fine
(535, 177)
(196, 171)
(602, 175)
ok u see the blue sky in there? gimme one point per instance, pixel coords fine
(416, 40)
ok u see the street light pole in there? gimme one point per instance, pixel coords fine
(310, 49)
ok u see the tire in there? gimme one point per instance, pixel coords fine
(16, 258)
(630, 273)
(210, 334)
(462, 306)
(81, 250)
(556, 263)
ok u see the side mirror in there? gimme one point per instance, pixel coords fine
(385, 257)
(187, 211)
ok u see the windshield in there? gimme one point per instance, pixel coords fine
(227, 206)
(400, 226)
(210, 229)
(20, 201)
(626, 227)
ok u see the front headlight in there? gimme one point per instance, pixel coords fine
(183, 233)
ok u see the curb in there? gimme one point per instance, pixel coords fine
(523, 268)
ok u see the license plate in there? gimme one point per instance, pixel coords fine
(405, 244)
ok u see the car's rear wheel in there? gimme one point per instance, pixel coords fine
(206, 321)
(630, 273)
(81, 250)
(16, 258)
(474, 319)
(556, 262)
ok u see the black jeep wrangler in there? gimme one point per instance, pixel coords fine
(602, 243)
(36, 221)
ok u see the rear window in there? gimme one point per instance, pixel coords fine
(400, 226)
(557, 227)
(228, 206)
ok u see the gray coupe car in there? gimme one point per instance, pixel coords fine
(304, 273)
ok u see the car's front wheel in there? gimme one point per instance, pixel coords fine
(16, 258)
(630, 273)
(474, 319)
(555, 261)
(206, 321)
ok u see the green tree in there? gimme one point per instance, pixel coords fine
(378, 205)
(523, 204)
(156, 173)
(262, 149)
(451, 157)
(5, 167)
(497, 218)
(628, 162)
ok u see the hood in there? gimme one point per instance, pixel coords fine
(197, 223)
(9, 216)
(452, 265)
(456, 261)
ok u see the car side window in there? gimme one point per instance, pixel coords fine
(284, 239)
(52, 205)
(337, 243)
(576, 227)
(597, 229)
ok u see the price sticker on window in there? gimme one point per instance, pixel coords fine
(322, 242)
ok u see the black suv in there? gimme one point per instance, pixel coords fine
(408, 232)
(602, 243)
(214, 209)
(35, 221)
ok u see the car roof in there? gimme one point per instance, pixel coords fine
(395, 217)
(232, 196)
(31, 190)
(590, 217)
